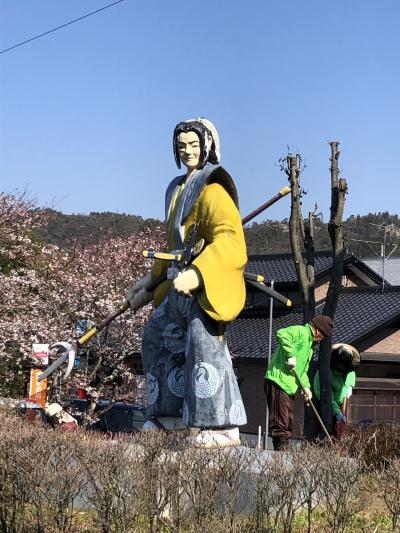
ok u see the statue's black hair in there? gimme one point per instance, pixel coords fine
(207, 155)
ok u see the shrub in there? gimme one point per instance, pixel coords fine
(377, 445)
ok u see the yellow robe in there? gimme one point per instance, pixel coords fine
(222, 261)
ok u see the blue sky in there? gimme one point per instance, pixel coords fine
(87, 113)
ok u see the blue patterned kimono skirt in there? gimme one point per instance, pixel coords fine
(188, 367)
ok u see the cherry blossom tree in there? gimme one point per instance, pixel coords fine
(46, 290)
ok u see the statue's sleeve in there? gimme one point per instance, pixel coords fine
(223, 259)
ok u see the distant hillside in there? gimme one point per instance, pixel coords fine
(65, 230)
(266, 237)
(273, 236)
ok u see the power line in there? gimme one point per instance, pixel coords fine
(60, 27)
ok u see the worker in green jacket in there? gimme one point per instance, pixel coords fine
(294, 351)
(344, 361)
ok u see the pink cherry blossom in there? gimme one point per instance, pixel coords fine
(45, 290)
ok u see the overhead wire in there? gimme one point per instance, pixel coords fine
(60, 27)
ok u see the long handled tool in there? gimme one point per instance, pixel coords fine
(311, 405)
(283, 192)
(256, 280)
(68, 350)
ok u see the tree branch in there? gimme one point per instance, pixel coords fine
(305, 270)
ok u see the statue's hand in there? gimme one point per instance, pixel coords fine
(138, 295)
(186, 282)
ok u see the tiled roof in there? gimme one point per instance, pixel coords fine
(360, 311)
(280, 267)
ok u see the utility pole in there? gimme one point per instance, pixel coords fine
(271, 317)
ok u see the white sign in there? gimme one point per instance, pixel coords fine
(40, 353)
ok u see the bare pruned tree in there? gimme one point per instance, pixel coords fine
(302, 243)
(335, 228)
(301, 237)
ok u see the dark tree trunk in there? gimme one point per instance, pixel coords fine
(338, 194)
(301, 237)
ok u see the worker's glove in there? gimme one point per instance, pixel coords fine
(186, 282)
(307, 394)
(340, 418)
(291, 362)
(138, 295)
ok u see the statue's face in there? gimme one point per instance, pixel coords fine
(189, 149)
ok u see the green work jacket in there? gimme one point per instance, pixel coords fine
(294, 341)
(340, 384)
